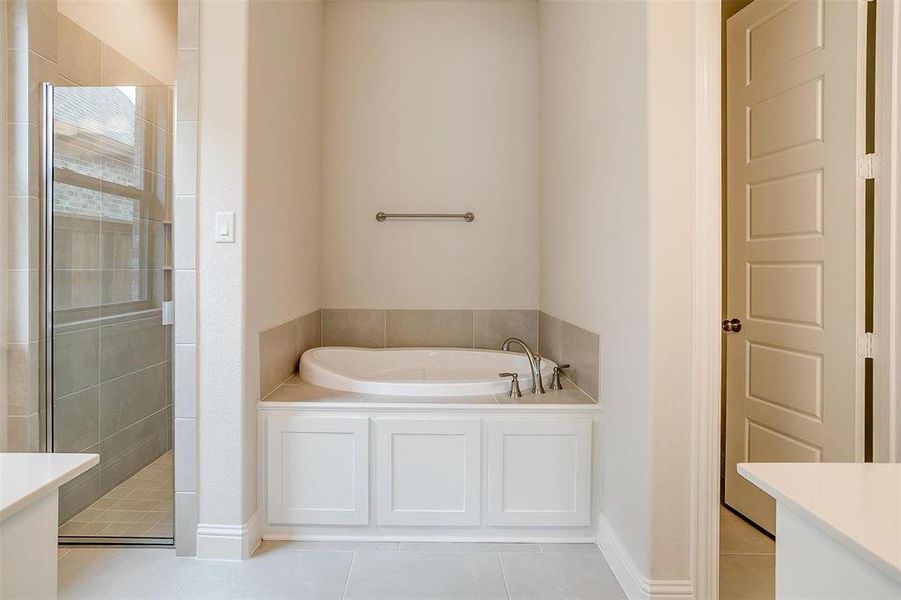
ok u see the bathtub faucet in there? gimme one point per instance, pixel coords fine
(534, 363)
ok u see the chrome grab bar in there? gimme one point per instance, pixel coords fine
(467, 216)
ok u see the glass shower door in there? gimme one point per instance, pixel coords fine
(109, 373)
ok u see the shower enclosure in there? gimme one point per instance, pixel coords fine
(107, 264)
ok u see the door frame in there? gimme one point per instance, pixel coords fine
(707, 307)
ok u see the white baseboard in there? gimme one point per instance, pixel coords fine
(634, 583)
(228, 542)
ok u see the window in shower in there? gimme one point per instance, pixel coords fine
(109, 351)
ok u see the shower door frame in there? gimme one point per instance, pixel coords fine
(47, 135)
(46, 398)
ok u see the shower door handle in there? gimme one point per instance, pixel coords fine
(168, 308)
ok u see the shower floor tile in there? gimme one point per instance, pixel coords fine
(140, 506)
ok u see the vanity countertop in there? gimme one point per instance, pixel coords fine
(26, 477)
(296, 390)
(857, 504)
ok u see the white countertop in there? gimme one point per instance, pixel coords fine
(858, 505)
(26, 477)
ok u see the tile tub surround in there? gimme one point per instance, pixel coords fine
(281, 347)
(380, 328)
(43, 46)
(565, 343)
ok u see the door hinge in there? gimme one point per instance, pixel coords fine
(168, 312)
(868, 166)
(866, 347)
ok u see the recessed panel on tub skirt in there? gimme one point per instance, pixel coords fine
(539, 472)
(318, 470)
(428, 471)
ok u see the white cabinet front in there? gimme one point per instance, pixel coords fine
(428, 471)
(318, 470)
(539, 472)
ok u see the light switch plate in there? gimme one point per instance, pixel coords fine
(225, 227)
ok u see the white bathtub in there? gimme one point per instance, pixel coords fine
(417, 371)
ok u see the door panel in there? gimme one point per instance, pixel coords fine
(795, 110)
(429, 471)
(539, 472)
(333, 453)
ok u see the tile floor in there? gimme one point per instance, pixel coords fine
(344, 570)
(141, 506)
(747, 560)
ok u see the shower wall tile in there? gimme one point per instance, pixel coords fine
(27, 71)
(130, 450)
(185, 381)
(81, 492)
(492, 327)
(184, 231)
(76, 420)
(79, 53)
(38, 31)
(118, 70)
(117, 241)
(76, 361)
(157, 149)
(17, 91)
(23, 306)
(186, 449)
(185, 523)
(446, 328)
(132, 345)
(24, 232)
(130, 398)
(278, 355)
(185, 236)
(76, 242)
(186, 159)
(23, 368)
(23, 433)
(581, 349)
(550, 337)
(185, 307)
(153, 103)
(76, 289)
(16, 23)
(364, 328)
(187, 92)
(23, 159)
(188, 24)
(309, 332)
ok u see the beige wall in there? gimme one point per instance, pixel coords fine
(594, 225)
(430, 107)
(615, 248)
(144, 31)
(283, 216)
(226, 454)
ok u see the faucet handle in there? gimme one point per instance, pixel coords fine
(556, 384)
(514, 384)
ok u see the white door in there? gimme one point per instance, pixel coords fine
(795, 101)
